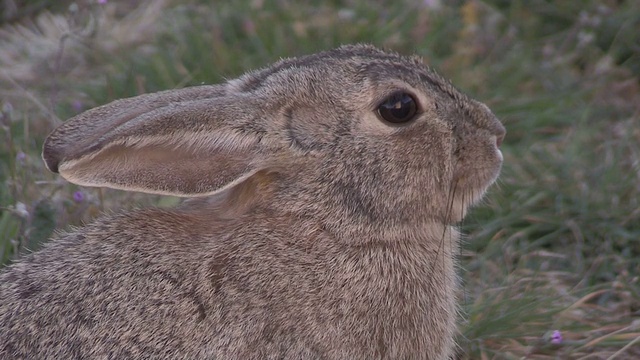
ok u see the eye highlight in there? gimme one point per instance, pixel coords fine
(398, 108)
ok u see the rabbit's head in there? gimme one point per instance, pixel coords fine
(367, 142)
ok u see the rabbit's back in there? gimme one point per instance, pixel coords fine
(106, 290)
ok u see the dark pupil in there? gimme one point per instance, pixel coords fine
(398, 108)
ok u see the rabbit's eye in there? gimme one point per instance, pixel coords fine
(398, 108)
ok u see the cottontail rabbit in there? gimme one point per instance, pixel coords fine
(325, 191)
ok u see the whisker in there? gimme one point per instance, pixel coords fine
(448, 216)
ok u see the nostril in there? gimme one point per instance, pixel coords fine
(500, 135)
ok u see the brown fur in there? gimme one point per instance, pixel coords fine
(315, 230)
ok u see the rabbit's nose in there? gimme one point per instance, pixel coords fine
(500, 134)
(486, 120)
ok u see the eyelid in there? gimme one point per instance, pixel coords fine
(378, 101)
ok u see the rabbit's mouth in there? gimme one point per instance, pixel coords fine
(469, 184)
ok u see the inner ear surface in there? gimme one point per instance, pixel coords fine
(158, 169)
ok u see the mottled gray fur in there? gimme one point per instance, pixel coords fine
(315, 230)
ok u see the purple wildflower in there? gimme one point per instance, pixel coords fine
(21, 157)
(77, 105)
(102, 2)
(556, 337)
(249, 27)
(78, 196)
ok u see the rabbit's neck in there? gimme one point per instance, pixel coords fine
(405, 292)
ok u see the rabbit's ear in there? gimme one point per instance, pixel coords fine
(188, 142)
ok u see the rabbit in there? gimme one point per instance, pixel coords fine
(322, 197)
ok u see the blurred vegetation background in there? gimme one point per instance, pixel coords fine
(551, 265)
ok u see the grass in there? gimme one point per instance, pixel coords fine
(555, 246)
